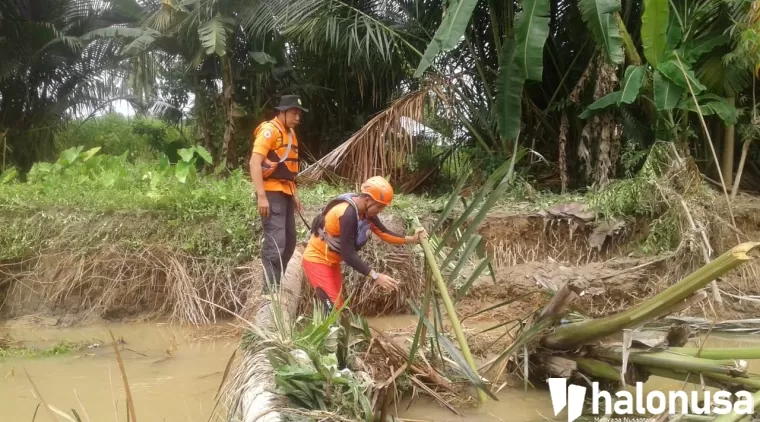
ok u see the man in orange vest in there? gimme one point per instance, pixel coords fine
(341, 230)
(274, 166)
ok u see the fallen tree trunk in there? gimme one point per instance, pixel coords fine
(570, 335)
(250, 394)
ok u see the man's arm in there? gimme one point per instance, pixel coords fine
(257, 175)
(261, 147)
(385, 234)
(348, 243)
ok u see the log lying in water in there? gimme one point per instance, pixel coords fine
(251, 390)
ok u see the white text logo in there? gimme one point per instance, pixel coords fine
(652, 403)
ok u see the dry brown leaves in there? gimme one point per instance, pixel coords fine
(116, 283)
(380, 147)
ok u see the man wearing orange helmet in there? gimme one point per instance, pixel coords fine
(341, 230)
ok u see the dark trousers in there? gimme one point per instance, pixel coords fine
(279, 238)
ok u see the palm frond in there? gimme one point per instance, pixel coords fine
(334, 25)
(213, 35)
(379, 146)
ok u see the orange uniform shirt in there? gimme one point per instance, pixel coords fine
(266, 140)
(317, 250)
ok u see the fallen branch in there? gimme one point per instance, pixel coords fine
(250, 393)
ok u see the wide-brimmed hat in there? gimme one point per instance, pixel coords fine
(291, 101)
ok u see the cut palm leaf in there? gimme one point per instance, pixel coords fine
(498, 174)
(501, 304)
(450, 310)
(494, 196)
(569, 335)
(462, 259)
(525, 338)
(462, 291)
(452, 202)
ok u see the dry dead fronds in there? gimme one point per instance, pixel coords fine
(401, 263)
(385, 362)
(382, 146)
(113, 282)
(516, 239)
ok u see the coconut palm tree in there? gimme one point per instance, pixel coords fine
(60, 58)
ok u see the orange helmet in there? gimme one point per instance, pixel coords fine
(379, 189)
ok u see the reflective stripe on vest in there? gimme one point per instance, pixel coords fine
(363, 227)
(284, 157)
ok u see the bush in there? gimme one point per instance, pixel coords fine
(140, 138)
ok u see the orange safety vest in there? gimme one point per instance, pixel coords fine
(284, 157)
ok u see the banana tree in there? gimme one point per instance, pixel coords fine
(671, 49)
(517, 57)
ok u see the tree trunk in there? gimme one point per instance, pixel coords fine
(202, 113)
(563, 176)
(229, 148)
(628, 45)
(716, 134)
(727, 167)
(250, 393)
(737, 182)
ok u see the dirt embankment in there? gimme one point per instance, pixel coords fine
(531, 251)
(537, 252)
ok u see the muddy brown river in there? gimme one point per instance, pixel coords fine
(175, 371)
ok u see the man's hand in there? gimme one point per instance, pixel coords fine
(419, 234)
(263, 206)
(386, 282)
(299, 206)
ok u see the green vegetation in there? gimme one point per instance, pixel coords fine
(86, 198)
(583, 89)
(307, 369)
(59, 349)
(141, 138)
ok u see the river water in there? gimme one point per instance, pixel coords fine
(174, 373)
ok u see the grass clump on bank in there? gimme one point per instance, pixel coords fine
(62, 348)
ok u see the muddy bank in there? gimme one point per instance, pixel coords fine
(132, 281)
(120, 281)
